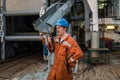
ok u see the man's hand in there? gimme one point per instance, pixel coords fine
(50, 44)
(50, 40)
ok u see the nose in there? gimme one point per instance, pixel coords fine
(57, 30)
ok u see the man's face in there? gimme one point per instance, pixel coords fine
(60, 30)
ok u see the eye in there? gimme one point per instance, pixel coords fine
(58, 27)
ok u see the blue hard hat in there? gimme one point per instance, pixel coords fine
(62, 22)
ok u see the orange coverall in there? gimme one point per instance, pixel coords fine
(62, 50)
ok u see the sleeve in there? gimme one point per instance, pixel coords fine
(75, 51)
(50, 47)
(43, 40)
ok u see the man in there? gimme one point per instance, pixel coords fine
(66, 52)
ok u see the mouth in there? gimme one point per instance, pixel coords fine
(58, 33)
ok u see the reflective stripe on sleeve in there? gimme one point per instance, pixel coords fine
(67, 43)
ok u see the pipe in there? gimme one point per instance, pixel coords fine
(87, 22)
(3, 55)
(23, 38)
(22, 12)
(24, 34)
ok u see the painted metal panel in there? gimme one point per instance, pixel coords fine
(108, 21)
(15, 5)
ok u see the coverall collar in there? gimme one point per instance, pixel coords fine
(61, 39)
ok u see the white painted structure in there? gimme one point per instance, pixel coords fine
(111, 34)
(23, 7)
(109, 21)
(94, 36)
(94, 25)
(13, 5)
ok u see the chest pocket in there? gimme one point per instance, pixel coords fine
(65, 46)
